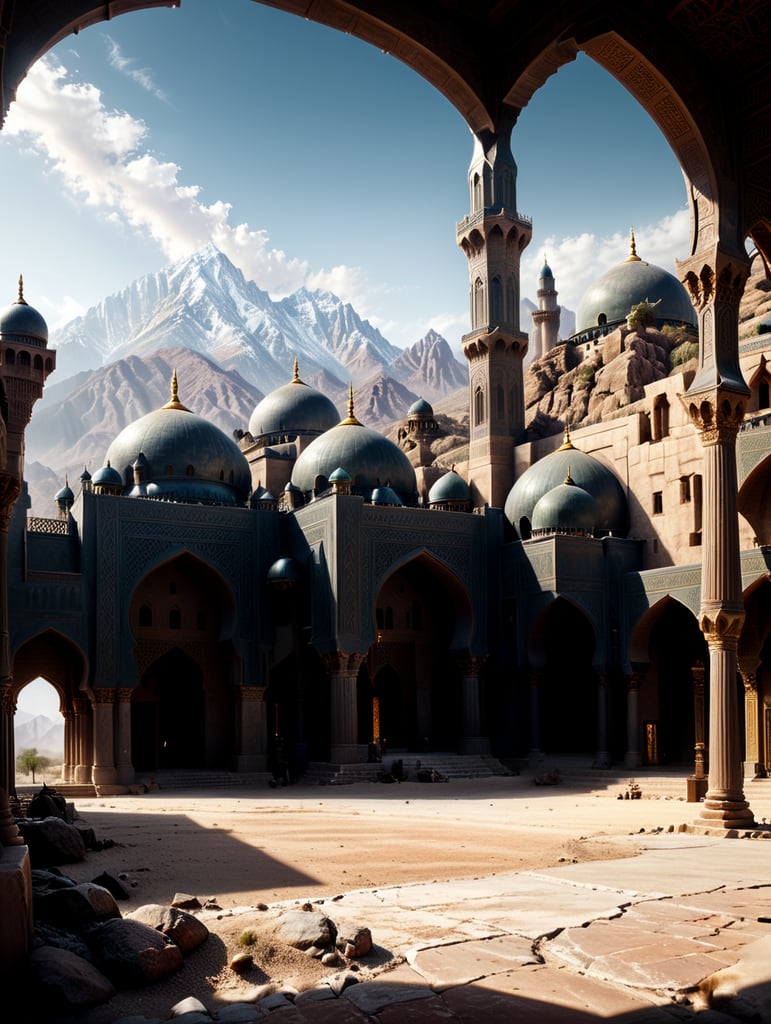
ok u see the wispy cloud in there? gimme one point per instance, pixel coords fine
(127, 66)
(103, 159)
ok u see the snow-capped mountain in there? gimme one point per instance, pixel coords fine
(429, 368)
(205, 304)
(40, 733)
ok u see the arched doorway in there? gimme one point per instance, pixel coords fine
(414, 696)
(561, 650)
(182, 616)
(671, 650)
(168, 715)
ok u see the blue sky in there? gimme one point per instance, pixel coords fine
(310, 158)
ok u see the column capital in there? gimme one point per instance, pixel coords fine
(123, 694)
(252, 693)
(341, 663)
(721, 625)
(714, 274)
(716, 413)
(472, 664)
(104, 695)
(633, 680)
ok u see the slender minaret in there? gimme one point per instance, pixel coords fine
(493, 238)
(546, 319)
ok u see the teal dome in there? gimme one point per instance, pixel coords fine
(64, 494)
(107, 475)
(609, 300)
(612, 513)
(20, 320)
(292, 409)
(182, 457)
(284, 571)
(420, 408)
(449, 487)
(385, 496)
(370, 459)
(565, 508)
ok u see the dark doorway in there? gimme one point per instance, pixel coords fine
(167, 715)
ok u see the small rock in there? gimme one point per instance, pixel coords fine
(330, 959)
(189, 1005)
(241, 962)
(185, 901)
(359, 944)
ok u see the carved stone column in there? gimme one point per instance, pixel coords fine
(602, 758)
(82, 741)
(10, 486)
(253, 730)
(700, 744)
(104, 773)
(752, 762)
(343, 668)
(68, 767)
(715, 403)
(123, 760)
(472, 741)
(535, 755)
(632, 757)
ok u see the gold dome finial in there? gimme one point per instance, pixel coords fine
(296, 372)
(632, 257)
(568, 478)
(350, 418)
(566, 443)
(174, 402)
(21, 290)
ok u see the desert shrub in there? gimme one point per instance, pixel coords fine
(685, 351)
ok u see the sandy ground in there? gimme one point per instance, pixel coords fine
(244, 847)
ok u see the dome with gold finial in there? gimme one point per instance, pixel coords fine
(597, 479)
(566, 508)
(20, 321)
(369, 458)
(184, 457)
(608, 301)
(294, 408)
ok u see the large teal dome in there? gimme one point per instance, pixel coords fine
(369, 458)
(292, 409)
(608, 301)
(184, 457)
(566, 508)
(612, 513)
(20, 320)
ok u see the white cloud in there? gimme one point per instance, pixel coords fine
(66, 309)
(126, 65)
(103, 161)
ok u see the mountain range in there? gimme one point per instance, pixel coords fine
(230, 344)
(40, 733)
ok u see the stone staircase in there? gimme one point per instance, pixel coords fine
(451, 766)
(195, 778)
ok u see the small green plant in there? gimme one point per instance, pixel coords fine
(247, 938)
(642, 315)
(585, 378)
(685, 351)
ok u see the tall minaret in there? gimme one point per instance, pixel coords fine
(493, 238)
(546, 319)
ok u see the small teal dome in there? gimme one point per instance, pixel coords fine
(612, 512)
(64, 494)
(107, 475)
(546, 272)
(284, 571)
(566, 507)
(420, 408)
(294, 408)
(262, 498)
(385, 496)
(22, 321)
(340, 476)
(449, 487)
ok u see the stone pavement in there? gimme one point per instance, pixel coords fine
(627, 940)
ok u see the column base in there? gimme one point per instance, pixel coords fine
(754, 770)
(82, 774)
(535, 759)
(632, 759)
(104, 776)
(475, 745)
(722, 812)
(344, 753)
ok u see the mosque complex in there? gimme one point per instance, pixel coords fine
(599, 589)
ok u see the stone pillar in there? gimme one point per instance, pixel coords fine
(632, 758)
(700, 740)
(602, 760)
(104, 774)
(343, 669)
(535, 755)
(752, 762)
(10, 486)
(472, 741)
(123, 760)
(68, 767)
(253, 730)
(82, 741)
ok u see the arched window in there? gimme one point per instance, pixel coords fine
(763, 395)
(500, 402)
(10, 357)
(190, 471)
(496, 300)
(476, 194)
(175, 619)
(525, 529)
(479, 317)
(602, 319)
(145, 615)
(38, 364)
(24, 359)
(479, 405)
(660, 417)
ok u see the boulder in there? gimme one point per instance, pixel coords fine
(133, 954)
(356, 943)
(52, 841)
(76, 906)
(62, 980)
(182, 928)
(303, 928)
(112, 884)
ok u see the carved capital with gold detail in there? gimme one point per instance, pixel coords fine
(714, 276)
(717, 417)
(104, 695)
(722, 626)
(633, 680)
(7, 701)
(748, 669)
(123, 694)
(252, 694)
(341, 663)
